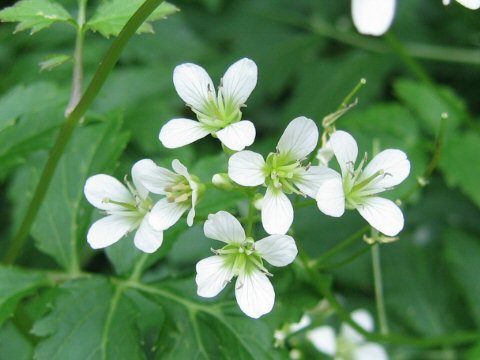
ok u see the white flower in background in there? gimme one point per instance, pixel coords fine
(373, 17)
(242, 257)
(471, 4)
(127, 208)
(282, 173)
(357, 188)
(349, 344)
(325, 154)
(217, 113)
(181, 192)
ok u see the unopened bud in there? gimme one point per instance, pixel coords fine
(223, 181)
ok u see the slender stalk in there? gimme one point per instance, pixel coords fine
(347, 260)
(318, 262)
(63, 138)
(138, 269)
(77, 83)
(377, 280)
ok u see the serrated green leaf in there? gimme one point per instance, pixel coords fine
(60, 224)
(429, 103)
(91, 319)
(35, 14)
(52, 61)
(14, 285)
(459, 164)
(462, 252)
(112, 15)
(196, 330)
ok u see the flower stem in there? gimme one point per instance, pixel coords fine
(377, 279)
(138, 269)
(319, 262)
(63, 138)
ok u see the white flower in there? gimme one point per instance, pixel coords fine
(356, 188)
(471, 4)
(349, 344)
(242, 257)
(181, 192)
(373, 17)
(127, 208)
(282, 173)
(217, 114)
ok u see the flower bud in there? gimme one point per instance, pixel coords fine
(223, 181)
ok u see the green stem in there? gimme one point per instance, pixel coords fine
(377, 280)
(322, 285)
(348, 260)
(138, 269)
(63, 138)
(319, 262)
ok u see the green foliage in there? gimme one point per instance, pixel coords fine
(91, 319)
(35, 14)
(112, 15)
(61, 221)
(459, 161)
(123, 304)
(53, 61)
(16, 284)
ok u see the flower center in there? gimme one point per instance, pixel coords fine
(180, 192)
(242, 257)
(345, 349)
(218, 111)
(281, 173)
(357, 189)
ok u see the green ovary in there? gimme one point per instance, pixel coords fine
(281, 172)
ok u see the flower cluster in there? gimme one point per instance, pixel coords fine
(159, 197)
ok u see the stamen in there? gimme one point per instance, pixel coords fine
(181, 198)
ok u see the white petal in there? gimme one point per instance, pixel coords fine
(446, 2)
(147, 239)
(331, 198)
(238, 135)
(246, 168)
(373, 17)
(239, 81)
(277, 212)
(278, 250)
(191, 216)
(370, 351)
(165, 214)
(309, 181)
(345, 149)
(254, 293)
(471, 4)
(382, 214)
(101, 187)
(155, 178)
(362, 318)
(325, 154)
(299, 138)
(224, 227)
(323, 338)
(138, 169)
(109, 230)
(193, 85)
(393, 163)
(180, 169)
(212, 276)
(180, 132)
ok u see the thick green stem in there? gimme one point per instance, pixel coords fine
(63, 138)
(377, 280)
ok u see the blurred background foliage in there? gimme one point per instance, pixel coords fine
(309, 58)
